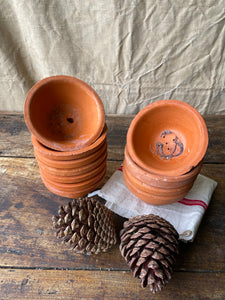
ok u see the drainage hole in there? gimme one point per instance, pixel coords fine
(70, 120)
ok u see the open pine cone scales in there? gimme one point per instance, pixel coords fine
(149, 245)
(86, 225)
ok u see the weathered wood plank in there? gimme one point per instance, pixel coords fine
(116, 137)
(66, 284)
(15, 138)
(27, 240)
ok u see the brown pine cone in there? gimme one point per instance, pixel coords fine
(149, 245)
(86, 225)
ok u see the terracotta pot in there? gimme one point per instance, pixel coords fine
(70, 187)
(146, 197)
(157, 180)
(168, 138)
(64, 113)
(75, 171)
(75, 193)
(74, 179)
(69, 155)
(70, 164)
(170, 192)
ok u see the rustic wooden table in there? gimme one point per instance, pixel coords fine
(34, 265)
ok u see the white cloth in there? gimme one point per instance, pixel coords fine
(185, 215)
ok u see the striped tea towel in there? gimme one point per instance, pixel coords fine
(185, 215)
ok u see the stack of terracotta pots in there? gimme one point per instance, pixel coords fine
(66, 119)
(166, 143)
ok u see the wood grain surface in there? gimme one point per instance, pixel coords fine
(35, 265)
(15, 138)
(73, 284)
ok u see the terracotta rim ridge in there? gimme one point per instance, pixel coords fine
(75, 163)
(74, 194)
(72, 179)
(74, 171)
(194, 159)
(160, 191)
(150, 199)
(69, 187)
(66, 155)
(147, 177)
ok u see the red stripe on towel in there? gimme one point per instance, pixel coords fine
(190, 202)
(120, 168)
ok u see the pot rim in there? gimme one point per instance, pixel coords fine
(182, 190)
(194, 160)
(157, 177)
(76, 178)
(76, 171)
(76, 185)
(66, 155)
(65, 146)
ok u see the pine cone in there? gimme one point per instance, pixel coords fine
(149, 245)
(86, 225)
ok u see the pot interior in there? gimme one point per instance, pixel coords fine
(168, 138)
(65, 111)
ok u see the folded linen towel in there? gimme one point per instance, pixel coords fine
(185, 215)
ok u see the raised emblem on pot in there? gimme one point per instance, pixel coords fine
(169, 145)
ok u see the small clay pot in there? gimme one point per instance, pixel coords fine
(71, 164)
(75, 193)
(170, 192)
(69, 155)
(64, 113)
(75, 171)
(148, 198)
(167, 138)
(73, 179)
